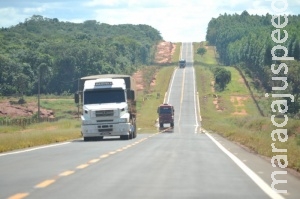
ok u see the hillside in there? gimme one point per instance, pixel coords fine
(61, 52)
(246, 41)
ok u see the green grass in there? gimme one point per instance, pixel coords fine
(61, 107)
(208, 59)
(20, 136)
(38, 134)
(236, 86)
(251, 130)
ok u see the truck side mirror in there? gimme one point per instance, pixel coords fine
(76, 97)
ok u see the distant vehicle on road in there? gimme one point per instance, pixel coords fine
(182, 63)
(165, 115)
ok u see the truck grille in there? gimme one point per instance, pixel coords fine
(105, 128)
(104, 113)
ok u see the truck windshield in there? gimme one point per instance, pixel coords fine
(104, 96)
(165, 110)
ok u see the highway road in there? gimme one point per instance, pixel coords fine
(174, 163)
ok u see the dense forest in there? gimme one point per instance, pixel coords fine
(245, 41)
(61, 52)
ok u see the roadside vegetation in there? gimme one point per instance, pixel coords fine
(16, 137)
(21, 132)
(248, 48)
(21, 135)
(233, 112)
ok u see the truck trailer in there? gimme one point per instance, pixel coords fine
(165, 115)
(108, 106)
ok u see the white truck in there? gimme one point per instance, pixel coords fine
(108, 106)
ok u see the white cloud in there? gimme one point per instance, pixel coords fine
(132, 3)
(35, 10)
(10, 16)
(177, 20)
(101, 3)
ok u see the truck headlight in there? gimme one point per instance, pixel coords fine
(84, 122)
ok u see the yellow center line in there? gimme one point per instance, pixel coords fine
(45, 184)
(66, 173)
(82, 166)
(19, 196)
(94, 161)
(104, 156)
(182, 90)
(181, 97)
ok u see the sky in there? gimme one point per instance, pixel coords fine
(176, 20)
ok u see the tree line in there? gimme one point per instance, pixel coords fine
(245, 41)
(57, 53)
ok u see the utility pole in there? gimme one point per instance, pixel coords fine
(39, 90)
(79, 100)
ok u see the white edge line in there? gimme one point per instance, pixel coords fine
(170, 85)
(180, 56)
(33, 149)
(198, 104)
(195, 100)
(262, 184)
(195, 93)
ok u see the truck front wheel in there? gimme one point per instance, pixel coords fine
(134, 133)
(126, 137)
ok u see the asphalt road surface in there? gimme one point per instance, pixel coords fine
(183, 162)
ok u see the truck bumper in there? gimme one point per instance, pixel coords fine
(106, 129)
(166, 121)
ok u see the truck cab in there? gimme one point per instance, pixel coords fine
(165, 115)
(182, 63)
(108, 107)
